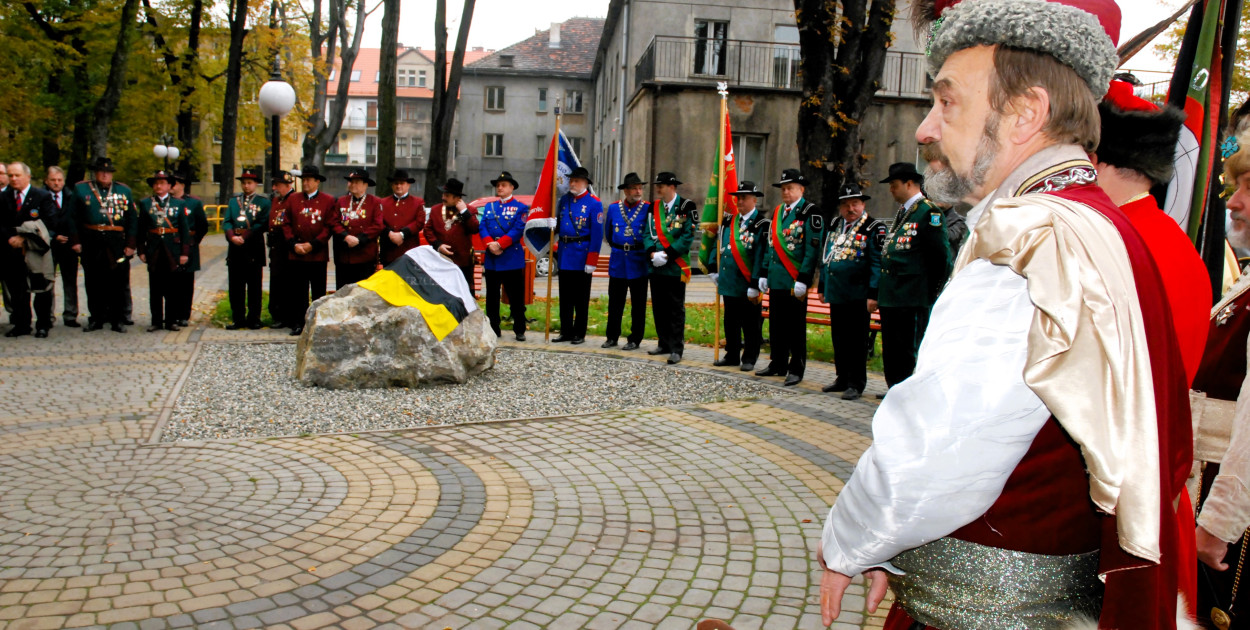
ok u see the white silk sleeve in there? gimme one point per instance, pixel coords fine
(1226, 511)
(946, 439)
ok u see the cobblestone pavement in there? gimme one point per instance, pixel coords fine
(641, 519)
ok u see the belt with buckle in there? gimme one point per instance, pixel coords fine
(574, 239)
(105, 228)
(162, 231)
(628, 247)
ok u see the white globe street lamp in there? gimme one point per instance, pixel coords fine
(276, 99)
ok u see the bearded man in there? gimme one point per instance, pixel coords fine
(1024, 475)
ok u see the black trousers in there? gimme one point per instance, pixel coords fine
(743, 334)
(66, 260)
(279, 285)
(848, 325)
(18, 285)
(637, 289)
(902, 329)
(513, 283)
(467, 270)
(245, 292)
(128, 308)
(306, 278)
(668, 309)
(183, 282)
(107, 285)
(163, 296)
(574, 303)
(787, 326)
(350, 273)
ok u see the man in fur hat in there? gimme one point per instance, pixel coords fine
(1025, 475)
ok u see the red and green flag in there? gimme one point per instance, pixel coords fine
(715, 191)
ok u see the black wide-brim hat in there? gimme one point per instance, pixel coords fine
(283, 177)
(453, 187)
(747, 187)
(852, 191)
(581, 173)
(103, 164)
(312, 171)
(400, 175)
(505, 176)
(631, 179)
(159, 175)
(903, 171)
(361, 174)
(791, 176)
(250, 174)
(667, 178)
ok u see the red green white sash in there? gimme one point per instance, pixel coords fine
(736, 247)
(662, 234)
(780, 248)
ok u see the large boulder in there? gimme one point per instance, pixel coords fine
(354, 339)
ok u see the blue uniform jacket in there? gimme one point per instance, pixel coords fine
(580, 219)
(621, 232)
(503, 223)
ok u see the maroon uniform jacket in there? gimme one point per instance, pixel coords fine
(445, 227)
(309, 221)
(363, 220)
(277, 218)
(405, 215)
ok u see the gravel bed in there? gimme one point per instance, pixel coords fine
(246, 390)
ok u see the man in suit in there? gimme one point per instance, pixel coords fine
(451, 226)
(279, 261)
(579, 224)
(247, 218)
(502, 223)
(65, 245)
(197, 227)
(670, 233)
(356, 232)
(741, 241)
(107, 222)
(625, 229)
(26, 205)
(403, 218)
(310, 216)
(164, 244)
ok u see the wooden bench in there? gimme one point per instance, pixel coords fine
(818, 313)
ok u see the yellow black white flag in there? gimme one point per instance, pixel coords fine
(429, 283)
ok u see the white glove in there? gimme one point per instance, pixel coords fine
(590, 269)
(763, 285)
(713, 276)
(551, 223)
(800, 289)
(659, 259)
(752, 293)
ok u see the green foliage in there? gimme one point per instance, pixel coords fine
(1170, 48)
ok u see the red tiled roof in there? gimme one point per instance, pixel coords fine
(369, 60)
(579, 42)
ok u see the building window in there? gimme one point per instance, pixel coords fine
(371, 149)
(786, 56)
(711, 39)
(421, 78)
(407, 111)
(377, 77)
(542, 99)
(418, 148)
(401, 147)
(505, 61)
(216, 173)
(494, 98)
(572, 101)
(371, 114)
(494, 145)
(333, 71)
(577, 145)
(541, 147)
(749, 156)
(355, 76)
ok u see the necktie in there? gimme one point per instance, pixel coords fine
(57, 197)
(19, 198)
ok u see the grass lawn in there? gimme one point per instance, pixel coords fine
(700, 320)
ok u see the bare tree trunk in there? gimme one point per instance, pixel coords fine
(387, 102)
(446, 94)
(230, 108)
(322, 132)
(188, 131)
(107, 105)
(838, 86)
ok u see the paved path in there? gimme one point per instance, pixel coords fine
(640, 519)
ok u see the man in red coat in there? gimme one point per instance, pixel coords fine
(403, 218)
(356, 232)
(309, 222)
(280, 281)
(450, 229)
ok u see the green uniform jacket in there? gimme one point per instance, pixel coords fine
(851, 262)
(163, 250)
(114, 208)
(197, 227)
(800, 231)
(249, 221)
(732, 283)
(680, 225)
(916, 261)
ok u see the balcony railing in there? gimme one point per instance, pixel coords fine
(670, 59)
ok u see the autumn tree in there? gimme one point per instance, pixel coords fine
(336, 36)
(388, 70)
(446, 93)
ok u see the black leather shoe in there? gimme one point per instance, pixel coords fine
(881, 396)
(851, 394)
(577, 341)
(118, 328)
(561, 339)
(769, 371)
(155, 328)
(792, 380)
(42, 333)
(674, 359)
(726, 362)
(295, 332)
(834, 387)
(235, 327)
(71, 323)
(93, 326)
(520, 336)
(182, 323)
(630, 346)
(611, 343)
(658, 351)
(173, 327)
(128, 322)
(747, 367)
(18, 332)
(254, 326)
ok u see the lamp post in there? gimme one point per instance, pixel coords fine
(276, 99)
(166, 150)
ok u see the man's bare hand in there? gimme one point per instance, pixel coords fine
(77, 249)
(351, 240)
(143, 258)
(129, 251)
(495, 248)
(236, 239)
(872, 306)
(62, 239)
(302, 248)
(16, 242)
(445, 250)
(397, 238)
(182, 260)
(1211, 550)
(833, 587)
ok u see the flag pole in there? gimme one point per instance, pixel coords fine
(555, 214)
(723, 90)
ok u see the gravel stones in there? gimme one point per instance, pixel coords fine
(246, 390)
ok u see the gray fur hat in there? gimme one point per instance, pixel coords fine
(1073, 36)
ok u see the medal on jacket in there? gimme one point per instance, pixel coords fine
(1225, 314)
(448, 219)
(354, 211)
